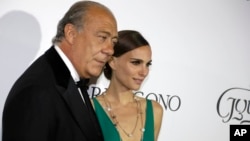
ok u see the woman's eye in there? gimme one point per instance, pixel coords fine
(149, 64)
(136, 62)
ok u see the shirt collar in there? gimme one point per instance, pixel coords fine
(70, 66)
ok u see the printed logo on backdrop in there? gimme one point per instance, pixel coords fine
(234, 106)
(169, 102)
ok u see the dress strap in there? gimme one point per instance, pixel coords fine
(149, 122)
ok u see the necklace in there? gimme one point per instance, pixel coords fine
(116, 122)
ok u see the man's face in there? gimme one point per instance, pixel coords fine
(93, 45)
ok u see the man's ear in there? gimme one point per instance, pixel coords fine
(70, 33)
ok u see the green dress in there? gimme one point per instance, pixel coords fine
(110, 132)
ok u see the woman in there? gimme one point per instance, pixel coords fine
(122, 115)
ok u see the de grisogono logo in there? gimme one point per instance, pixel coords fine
(169, 102)
(234, 105)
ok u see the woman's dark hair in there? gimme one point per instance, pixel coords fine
(128, 40)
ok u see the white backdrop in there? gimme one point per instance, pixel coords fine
(201, 53)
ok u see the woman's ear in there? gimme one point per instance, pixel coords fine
(112, 62)
(70, 33)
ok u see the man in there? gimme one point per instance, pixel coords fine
(45, 103)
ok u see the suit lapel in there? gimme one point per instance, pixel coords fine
(79, 110)
(70, 93)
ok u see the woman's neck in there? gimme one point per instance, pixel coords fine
(119, 97)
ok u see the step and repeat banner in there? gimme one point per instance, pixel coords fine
(201, 57)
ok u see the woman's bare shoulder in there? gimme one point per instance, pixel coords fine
(158, 109)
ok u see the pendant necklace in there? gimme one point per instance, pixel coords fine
(116, 122)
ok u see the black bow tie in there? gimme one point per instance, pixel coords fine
(83, 83)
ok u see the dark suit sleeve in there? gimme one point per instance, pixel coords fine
(25, 116)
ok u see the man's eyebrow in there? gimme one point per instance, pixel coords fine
(103, 32)
(108, 33)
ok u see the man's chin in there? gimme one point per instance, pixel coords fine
(96, 73)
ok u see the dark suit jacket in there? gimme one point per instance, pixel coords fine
(45, 105)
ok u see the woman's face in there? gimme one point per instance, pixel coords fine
(131, 68)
